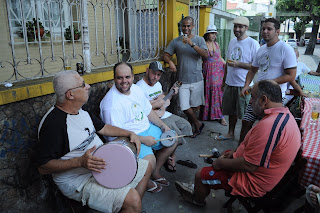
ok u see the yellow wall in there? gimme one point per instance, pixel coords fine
(35, 88)
(174, 14)
(30, 89)
(204, 19)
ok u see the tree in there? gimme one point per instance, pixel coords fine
(300, 28)
(312, 7)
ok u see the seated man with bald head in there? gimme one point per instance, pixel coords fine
(68, 137)
(261, 160)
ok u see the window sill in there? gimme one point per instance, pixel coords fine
(35, 88)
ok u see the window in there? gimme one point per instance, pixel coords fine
(52, 16)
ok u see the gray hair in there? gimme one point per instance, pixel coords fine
(63, 81)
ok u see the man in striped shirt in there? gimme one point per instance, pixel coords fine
(261, 160)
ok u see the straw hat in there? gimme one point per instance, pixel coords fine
(241, 20)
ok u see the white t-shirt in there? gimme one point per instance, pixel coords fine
(128, 112)
(272, 61)
(242, 51)
(302, 68)
(152, 93)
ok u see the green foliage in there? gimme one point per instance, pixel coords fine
(76, 33)
(212, 3)
(312, 7)
(32, 29)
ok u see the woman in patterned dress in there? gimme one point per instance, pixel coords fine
(213, 72)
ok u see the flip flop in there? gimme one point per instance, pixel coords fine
(187, 163)
(162, 181)
(222, 138)
(157, 188)
(170, 167)
(196, 133)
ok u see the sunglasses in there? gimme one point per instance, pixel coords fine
(83, 85)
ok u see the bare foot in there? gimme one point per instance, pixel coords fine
(223, 122)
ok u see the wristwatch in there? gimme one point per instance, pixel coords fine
(193, 44)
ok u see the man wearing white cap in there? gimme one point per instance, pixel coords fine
(189, 49)
(241, 52)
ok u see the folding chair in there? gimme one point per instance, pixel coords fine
(275, 199)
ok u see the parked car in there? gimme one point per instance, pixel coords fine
(318, 41)
(292, 42)
(301, 43)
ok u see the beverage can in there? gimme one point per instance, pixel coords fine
(79, 66)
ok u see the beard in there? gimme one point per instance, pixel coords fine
(258, 110)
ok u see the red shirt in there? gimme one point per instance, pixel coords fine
(272, 145)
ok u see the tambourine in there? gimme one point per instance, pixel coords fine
(121, 163)
(168, 142)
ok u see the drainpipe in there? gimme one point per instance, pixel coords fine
(85, 37)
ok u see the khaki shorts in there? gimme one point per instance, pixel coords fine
(178, 124)
(233, 103)
(104, 199)
(191, 95)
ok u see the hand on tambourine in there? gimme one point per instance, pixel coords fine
(165, 128)
(134, 139)
(87, 160)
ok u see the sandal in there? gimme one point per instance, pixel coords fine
(196, 133)
(157, 188)
(187, 163)
(222, 138)
(162, 181)
(169, 164)
(170, 167)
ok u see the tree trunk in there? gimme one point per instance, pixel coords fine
(313, 38)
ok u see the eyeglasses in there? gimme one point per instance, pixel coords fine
(82, 86)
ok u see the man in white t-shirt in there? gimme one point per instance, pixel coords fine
(241, 52)
(275, 60)
(126, 106)
(153, 91)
